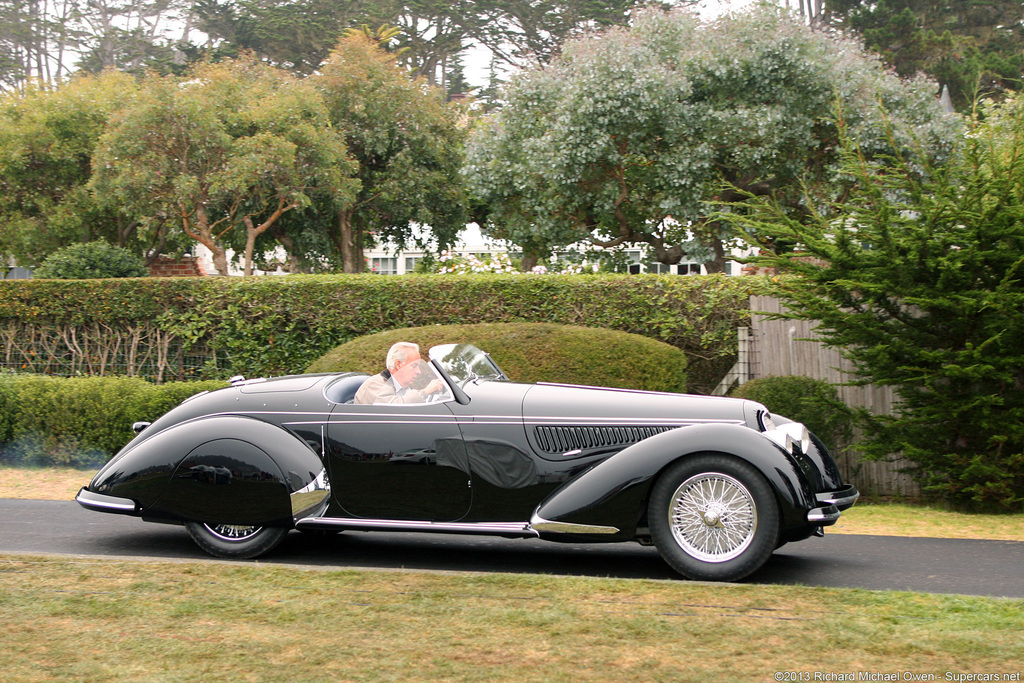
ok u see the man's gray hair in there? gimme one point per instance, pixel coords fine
(401, 352)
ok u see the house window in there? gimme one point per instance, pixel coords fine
(384, 266)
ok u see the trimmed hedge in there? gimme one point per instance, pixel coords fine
(79, 421)
(279, 325)
(534, 352)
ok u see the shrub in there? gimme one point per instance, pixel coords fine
(535, 352)
(78, 421)
(814, 402)
(279, 325)
(89, 261)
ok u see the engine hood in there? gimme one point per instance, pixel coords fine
(573, 421)
(567, 403)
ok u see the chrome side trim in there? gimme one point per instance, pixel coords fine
(823, 516)
(485, 528)
(102, 503)
(541, 524)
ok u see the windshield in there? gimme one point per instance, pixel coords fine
(464, 362)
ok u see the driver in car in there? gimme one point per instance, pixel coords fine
(395, 384)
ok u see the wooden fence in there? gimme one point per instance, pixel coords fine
(786, 347)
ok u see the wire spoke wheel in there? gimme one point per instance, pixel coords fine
(713, 517)
(232, 532)
(235, 541)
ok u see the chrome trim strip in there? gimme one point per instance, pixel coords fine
(541, 524)
(102, 503)
(824, 516)
(842, 498)
(490, 528)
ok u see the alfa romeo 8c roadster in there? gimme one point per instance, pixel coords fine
(715, 484)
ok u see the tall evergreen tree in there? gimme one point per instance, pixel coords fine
(917, 276)
(971, 48)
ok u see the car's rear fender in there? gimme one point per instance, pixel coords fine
(225, 469)
(610, 498)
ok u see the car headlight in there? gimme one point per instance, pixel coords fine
(791, 436)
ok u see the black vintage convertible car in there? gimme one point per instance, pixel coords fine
(716, 484)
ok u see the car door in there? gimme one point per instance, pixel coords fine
(398, 462)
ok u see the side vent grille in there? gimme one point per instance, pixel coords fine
(558, 440)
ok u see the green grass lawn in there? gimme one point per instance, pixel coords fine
(108, 620)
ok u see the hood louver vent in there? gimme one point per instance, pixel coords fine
(558, 440)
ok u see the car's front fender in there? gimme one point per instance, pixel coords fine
(609, 499)
(224, 469)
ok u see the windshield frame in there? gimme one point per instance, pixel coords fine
(464, 363)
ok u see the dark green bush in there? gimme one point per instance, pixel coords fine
(78, 421)
(91, 260)
(535, 352)
(814, 402)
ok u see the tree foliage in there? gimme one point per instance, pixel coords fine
(918, 278)
(47, 140)
(407, 142)
(434, 34)
(629, 136)
(43, 41)
(972, 48)
(223, 154)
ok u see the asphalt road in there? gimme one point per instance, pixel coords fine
(971, 567)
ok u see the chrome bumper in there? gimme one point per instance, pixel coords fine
(102, 503)
(831, 504)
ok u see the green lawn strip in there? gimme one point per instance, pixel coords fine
(902, 519)
(99, 620)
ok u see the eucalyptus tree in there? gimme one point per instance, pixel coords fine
(633, 135)
(223, 154)
(38, 39)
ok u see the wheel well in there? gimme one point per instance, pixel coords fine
(643, 532)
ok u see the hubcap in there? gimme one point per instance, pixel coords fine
(232, 532)
(712, 517)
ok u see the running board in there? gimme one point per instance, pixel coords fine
(508, 529)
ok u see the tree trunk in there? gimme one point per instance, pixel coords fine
(291, 259)
(204, 235)
(253, 231)
(528, 262)
(718, 263)
(348, 243)
(250, 245)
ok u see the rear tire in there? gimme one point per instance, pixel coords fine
(235, 541)
(714, 518)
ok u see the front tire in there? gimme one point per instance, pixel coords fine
(235, 541)
(713, 518)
